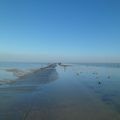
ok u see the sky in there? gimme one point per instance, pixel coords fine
(60, 30)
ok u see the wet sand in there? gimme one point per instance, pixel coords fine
(51, 94)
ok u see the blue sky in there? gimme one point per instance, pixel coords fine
(60, 30)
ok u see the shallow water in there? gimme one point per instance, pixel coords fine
(9, 71)
(80, 91)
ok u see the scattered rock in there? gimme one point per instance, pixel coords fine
(99, 83)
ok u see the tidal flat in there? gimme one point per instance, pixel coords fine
(30, 91)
